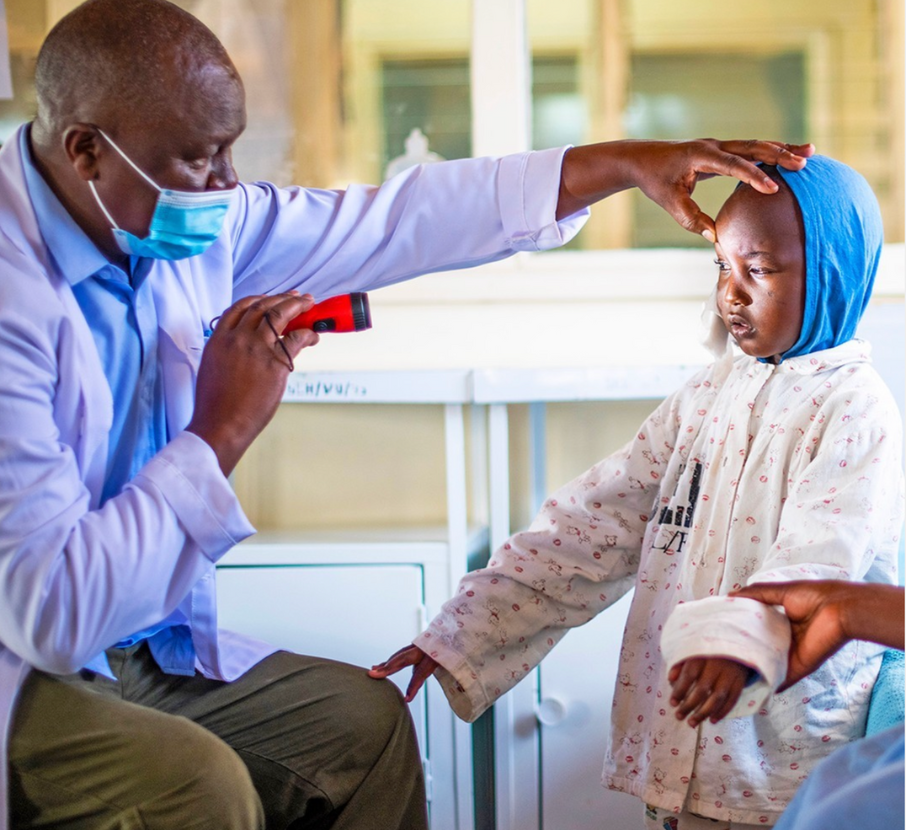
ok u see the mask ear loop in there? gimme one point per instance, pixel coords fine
(292, 365)
(131, 163)
(270, 325)
(104, 210)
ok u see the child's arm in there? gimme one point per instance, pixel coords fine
(579, 556)
(825, 614)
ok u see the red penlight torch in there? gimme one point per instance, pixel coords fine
(348, 312)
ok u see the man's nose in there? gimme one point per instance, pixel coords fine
(223, 174)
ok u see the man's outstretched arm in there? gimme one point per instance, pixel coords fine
(667, 172)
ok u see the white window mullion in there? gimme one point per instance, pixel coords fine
(501, 78)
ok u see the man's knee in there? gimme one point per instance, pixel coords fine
(379, 712)
(205, 785)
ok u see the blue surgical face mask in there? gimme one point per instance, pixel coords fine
(184, 223)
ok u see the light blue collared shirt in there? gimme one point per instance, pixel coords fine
(121, 314)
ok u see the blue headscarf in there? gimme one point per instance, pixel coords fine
(843, 237)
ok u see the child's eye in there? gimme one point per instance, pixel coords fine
(721, 265)
(759, 272)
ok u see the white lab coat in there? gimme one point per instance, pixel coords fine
(76, 579)
(750, 472)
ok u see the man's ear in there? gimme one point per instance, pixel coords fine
(82, 144)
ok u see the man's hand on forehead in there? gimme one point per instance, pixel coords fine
(667, 172)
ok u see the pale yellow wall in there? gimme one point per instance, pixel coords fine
(578, 436)
(325, 465)
(26, 24)
(322, 466)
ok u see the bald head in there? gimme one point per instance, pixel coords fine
(124, 62)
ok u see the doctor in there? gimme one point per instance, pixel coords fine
(123, 232)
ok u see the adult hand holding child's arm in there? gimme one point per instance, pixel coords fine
(825, 614)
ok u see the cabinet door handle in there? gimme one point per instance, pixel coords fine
(551, 711)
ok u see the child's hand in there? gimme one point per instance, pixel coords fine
(423, 668)
(706, 687)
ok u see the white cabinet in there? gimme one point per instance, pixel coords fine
(357, 614)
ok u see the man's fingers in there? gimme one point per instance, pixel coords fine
(738, 167)
(795, 671)
(738, 160)
(777, 153)
(683, 208)
(735, 159)
(770, 593)
(255, 309)
(282, 308)
(299, 339)
(231, 317)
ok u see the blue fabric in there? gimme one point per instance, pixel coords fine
(122, 317)
(888, 698)
(121, 314)
(843, 238)
(858, 786)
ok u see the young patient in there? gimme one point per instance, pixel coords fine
(781, 463)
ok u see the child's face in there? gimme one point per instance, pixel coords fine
(761, 255)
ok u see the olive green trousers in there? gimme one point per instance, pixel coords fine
(297, 742)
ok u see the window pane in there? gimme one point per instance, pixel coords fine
(559, 112)
(336, 86)
(431, 96)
